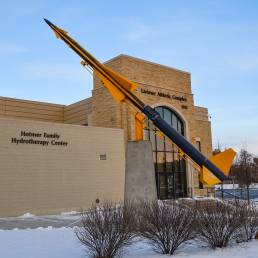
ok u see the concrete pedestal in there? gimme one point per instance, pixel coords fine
(140, 173)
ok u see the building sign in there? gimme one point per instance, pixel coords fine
(36, 138)
(163, 95)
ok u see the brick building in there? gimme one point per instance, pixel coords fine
(82, 135)
(169, 91)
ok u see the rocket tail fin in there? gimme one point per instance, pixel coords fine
(115, 92)
(223, 161)
(127, 84)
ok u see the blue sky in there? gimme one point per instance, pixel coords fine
(216, 41)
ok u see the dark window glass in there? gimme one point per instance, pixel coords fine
(167, 116)
(169, 162)
(159, 110)
(179, 127)
(169, 165)
(198, 146)
(174, 122)
(160, 163)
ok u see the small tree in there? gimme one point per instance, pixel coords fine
(244, 170)
(166, 225)
(218, 224)
(107, 230)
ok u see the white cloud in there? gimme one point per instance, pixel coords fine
(56, 71)
(140, 32)
(251, 147)
(11, 48)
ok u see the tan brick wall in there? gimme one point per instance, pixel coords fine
(50, 179)
(149, 73)
(78, 113)
(32, 110)
(202, 132)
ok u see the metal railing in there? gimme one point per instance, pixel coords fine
(250, 194)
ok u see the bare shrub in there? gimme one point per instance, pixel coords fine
(165, 225)
(249, 221)
(217, 225)
(107, 230)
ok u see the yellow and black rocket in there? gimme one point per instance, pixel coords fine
(214, 170)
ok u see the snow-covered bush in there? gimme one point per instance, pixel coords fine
(107, 230)
(219, 223)
(165, 225)
(249, 221)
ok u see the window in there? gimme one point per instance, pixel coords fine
(170, 168)
(198, 146)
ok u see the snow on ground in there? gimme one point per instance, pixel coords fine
(67, 219)
(37, 243)
(27, 215)
(62, 243)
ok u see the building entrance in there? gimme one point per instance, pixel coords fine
(170, 168)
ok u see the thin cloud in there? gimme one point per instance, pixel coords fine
(56, 71)
(140, 32)
(12, 48)
(250, 146)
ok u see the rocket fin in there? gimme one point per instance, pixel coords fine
(114, 91)
(127, 84)
(223, 161)
(58, 32)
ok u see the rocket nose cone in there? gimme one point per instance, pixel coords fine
(48, 22)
